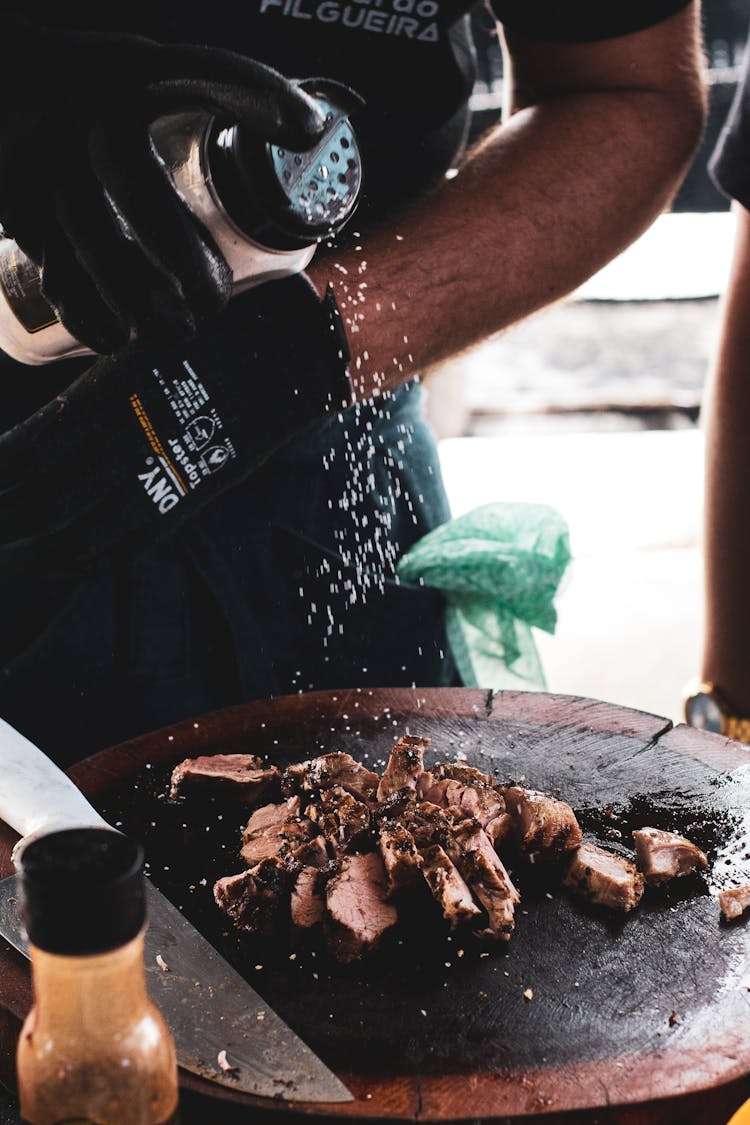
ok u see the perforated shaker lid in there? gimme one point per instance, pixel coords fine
(285, 199)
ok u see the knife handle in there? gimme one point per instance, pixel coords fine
(36, 797)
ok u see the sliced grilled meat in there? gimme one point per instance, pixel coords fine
(462, 772)
(343, 820)
(313, 853)
(357, 911)
(665, 855)
(240, 777)
(458, 786)
(448, 887)
(544, 827)
(254, 899)
(273, 829)
(483, 870)
(307, 906)
(400, 857)
(405, 767)
(428, 823)
(329, 771)
(604, 877)
(734, 903)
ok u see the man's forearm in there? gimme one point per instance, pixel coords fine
(726, 652)
(551, 196)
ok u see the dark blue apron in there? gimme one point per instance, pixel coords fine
(285, 583)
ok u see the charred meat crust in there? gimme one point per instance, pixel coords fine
(448, 887)
(273, 830)
(328, 771)
(405, 767)
(603, 877)
(544, 828)
(401, 860)
(255, 899)
(341, 819)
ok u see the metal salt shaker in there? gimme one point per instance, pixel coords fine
(266, 208)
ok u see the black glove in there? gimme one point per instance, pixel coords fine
(74, 112)
(144, 439)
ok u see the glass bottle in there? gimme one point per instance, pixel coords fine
(94, 1048)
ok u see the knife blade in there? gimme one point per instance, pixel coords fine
(209, 1007)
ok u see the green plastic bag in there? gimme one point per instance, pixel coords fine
(499, 568)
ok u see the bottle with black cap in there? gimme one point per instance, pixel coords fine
(266, 209)
(94, 1050)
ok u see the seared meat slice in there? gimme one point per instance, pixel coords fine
(463, 773)
(544, 827)
(357, 911)
(313, 853)
(254, 899)
(273, 829)
(428, 824)
(305, 864)
(329, 770)
(344, 821)
(735, 902)
(400, 856)
(665, 855)
(481, 867)
(448, 888)
(604, 877)
(307, 904)
(405, 767)
(457, 786)
(242, 777)
(270, 816)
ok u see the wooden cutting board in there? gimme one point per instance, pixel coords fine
(642, 1019)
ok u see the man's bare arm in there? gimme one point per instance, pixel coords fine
(726, 652)
(597, 141)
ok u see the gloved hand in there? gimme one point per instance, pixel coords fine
(74, 153)
(143, 440)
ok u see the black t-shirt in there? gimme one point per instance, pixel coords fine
(412, 61)
(730, 164)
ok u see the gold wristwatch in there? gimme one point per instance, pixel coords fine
(707, 709)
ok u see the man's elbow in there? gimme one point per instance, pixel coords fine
(684, 111)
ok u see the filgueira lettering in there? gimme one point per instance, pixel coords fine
(408, 19)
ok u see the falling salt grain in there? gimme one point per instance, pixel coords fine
(528, 994)
(258, 968)
(422, 1010)
(261, 1015)
(224, 1064)
(162, 963)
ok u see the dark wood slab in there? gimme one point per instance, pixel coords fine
(439, 1029)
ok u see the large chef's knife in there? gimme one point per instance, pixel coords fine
(208, 1006)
